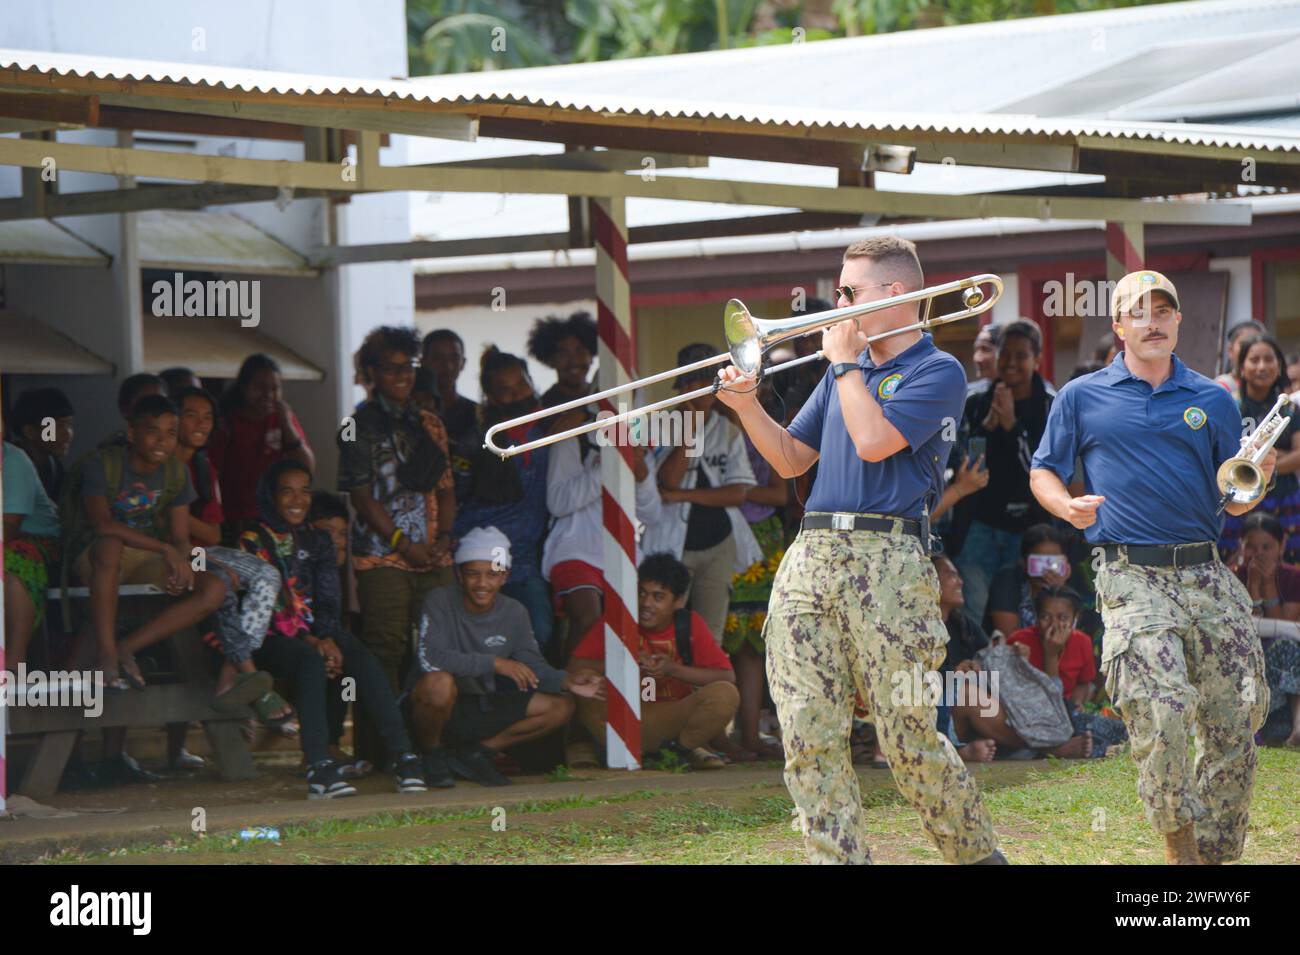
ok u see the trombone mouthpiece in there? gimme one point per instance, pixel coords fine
(972, 296)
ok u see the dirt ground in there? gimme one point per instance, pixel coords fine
(154, 813)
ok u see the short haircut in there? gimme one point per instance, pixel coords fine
(176, 379)
(36, 404)
(492, 362)
(389, 338)
(895, 256)
(1037, 534)
(326, 505)
(1025, 329)
(443, 335)
(152, 406)
(191, 392)
(132, 387)
(547, 333)
(1057, 593)
(994, 333)
(665, 569)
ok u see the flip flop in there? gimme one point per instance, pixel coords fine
(134, 679)
(880, 764)
(246, 689)
(268, 703)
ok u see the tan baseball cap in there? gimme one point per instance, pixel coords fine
(1133, 286)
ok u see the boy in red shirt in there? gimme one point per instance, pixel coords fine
(694, 699)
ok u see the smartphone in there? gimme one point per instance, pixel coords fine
(977, 448)
(1039, 564)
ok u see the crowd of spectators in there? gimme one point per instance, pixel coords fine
(462, 594)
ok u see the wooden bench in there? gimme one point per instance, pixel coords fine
(179, 696)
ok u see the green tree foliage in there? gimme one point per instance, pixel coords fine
(858, 17)
(456, 36)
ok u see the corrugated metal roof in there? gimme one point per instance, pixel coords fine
(42, 242)
(915, 84)
(31, 348)
(214, 241)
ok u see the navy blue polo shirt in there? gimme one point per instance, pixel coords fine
(1152, 454)
(922, 392)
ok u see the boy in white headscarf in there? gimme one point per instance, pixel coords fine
(481, 684)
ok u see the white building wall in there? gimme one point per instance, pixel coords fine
(324, 319)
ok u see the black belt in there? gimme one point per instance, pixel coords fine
(1162, 555)
(861, 522)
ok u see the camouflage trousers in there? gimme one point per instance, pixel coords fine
(1182, 658)
(854, 612)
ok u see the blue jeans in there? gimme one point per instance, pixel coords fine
(986, 551)
(533, 593)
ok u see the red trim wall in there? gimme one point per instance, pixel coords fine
(1031, 277)
(1259, 260)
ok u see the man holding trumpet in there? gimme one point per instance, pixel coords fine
(855, 604)
(1181, 654)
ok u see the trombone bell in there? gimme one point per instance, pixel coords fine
(743, 338)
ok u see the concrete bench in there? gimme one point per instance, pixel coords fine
(178, 696)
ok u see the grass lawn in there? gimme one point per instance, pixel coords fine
(1079, 812)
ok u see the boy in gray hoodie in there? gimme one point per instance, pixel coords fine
(480, 682)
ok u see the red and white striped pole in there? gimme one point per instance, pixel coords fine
(1125, 253)
(4, 724)
(618, 496)
(1125, 249)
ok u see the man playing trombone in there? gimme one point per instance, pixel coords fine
(855, 604)
(1181, 654)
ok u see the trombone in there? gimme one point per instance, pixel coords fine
(748, 338)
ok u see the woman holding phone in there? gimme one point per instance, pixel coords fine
(1002, 424)
(1042, 564)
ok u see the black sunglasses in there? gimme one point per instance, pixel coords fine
(848, 290)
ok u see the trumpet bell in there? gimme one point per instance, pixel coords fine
(1241, 481)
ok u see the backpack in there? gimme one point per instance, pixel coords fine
(78, 534)
(682, 626)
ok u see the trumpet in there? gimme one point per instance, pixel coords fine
(748, 339)
(1241, 477)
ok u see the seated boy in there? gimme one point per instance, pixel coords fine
(307, 643)
(42, 420)
(131, 526)
(329, 514)
(480, 681)
(31, 544)
(695, 689)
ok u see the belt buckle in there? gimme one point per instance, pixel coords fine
(1178, 548)
(842, 522)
